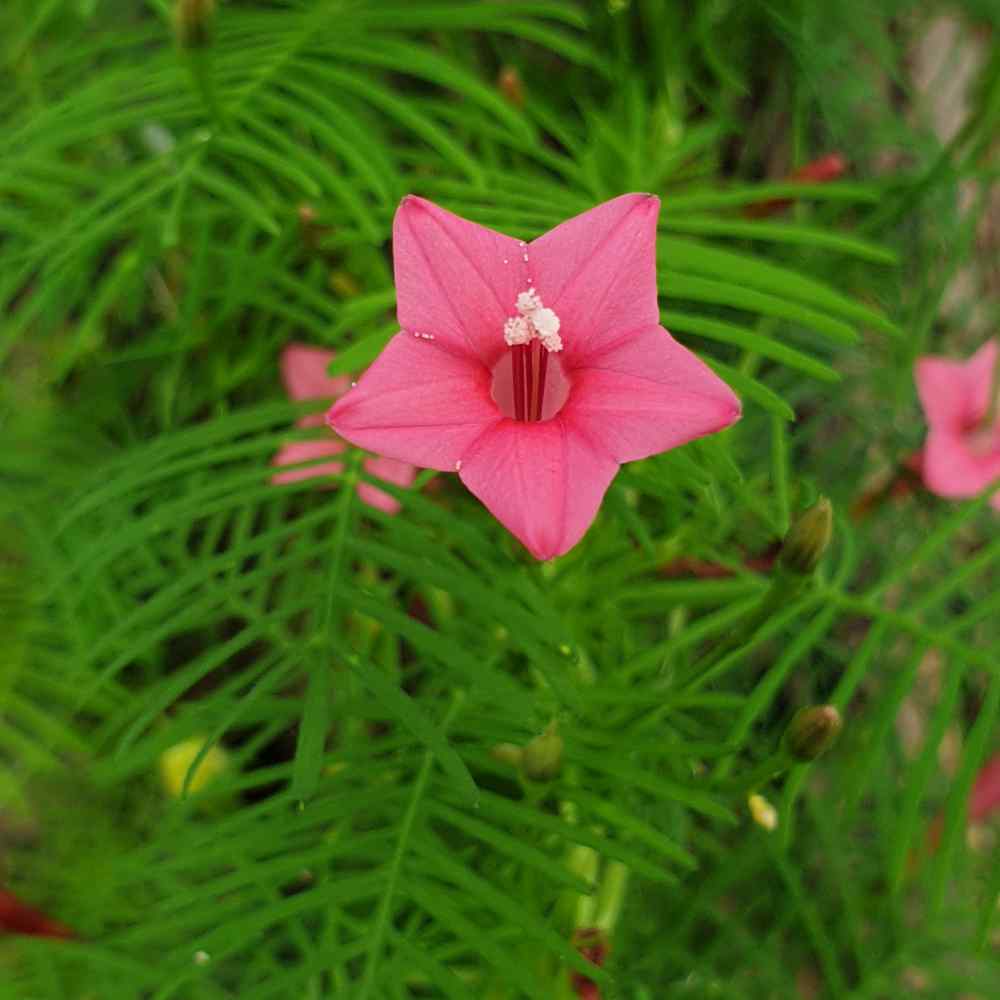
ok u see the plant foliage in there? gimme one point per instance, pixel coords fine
(169, 220)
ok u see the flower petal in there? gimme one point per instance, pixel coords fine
(543, 481)
(597, 271)
(307, 451)
(941, 385)
(303, 370)
(392, 471)
(418, 403)
(979, 371)
(984, 798)
(646, 394)
(952, 469)
(955, 394)
(455, 279)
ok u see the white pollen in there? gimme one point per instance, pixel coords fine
(458, 466)
(506, 261)
(535, 321)
(517, 330)
(521, 243)
(353, 384)
(525, 258)
(528, 302)
(545, 321)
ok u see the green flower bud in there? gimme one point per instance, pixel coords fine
(812, 732)
(176, 761)
(807, 539)
(543, 756)
(193, 23)
(507, 753)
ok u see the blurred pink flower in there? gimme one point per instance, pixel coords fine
(17, 917)
(984, 799)
(533, 370)
(961, 455)
(819, 171)
(303, 370)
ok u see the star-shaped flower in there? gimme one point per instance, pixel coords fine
(303, 370)
(961, 455)
(533, 370)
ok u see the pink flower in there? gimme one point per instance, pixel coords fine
(533, 370)
(17, 917)
(984, 799)
(961, 456)
(820, 171)
(303, 370)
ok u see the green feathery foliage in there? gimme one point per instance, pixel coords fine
(170, 218)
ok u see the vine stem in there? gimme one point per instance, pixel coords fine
(200, 67)
(405, 832)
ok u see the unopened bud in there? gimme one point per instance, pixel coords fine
(511, 86)
(812, 732)
(808, 538)
(543, 756)
(611, 895)
(763, 813)
(344, 284)
(193, 22)
(507, 753)
(176, 761)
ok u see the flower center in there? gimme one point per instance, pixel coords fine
(529, 382)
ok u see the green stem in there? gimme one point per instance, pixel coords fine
(199, 63)
(783, 589)
(767, 770)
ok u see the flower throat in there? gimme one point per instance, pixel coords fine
(526, 386)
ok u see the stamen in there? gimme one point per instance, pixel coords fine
(545, 321)
(528, 302)
(516, 330)
(543, 365)
(529, 380)
(535, 322)
(517, 360)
